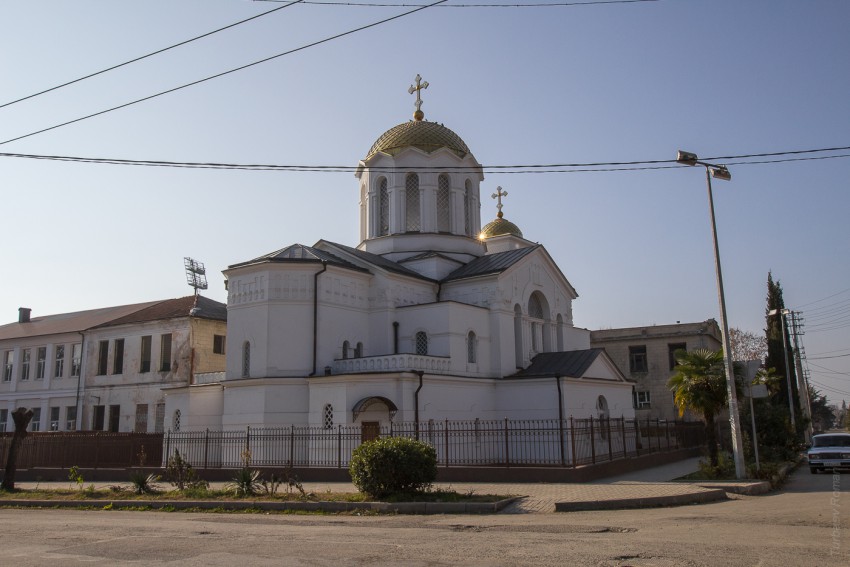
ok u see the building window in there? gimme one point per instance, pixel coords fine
(59, 361)
(102, 357)
(467, 208)
(218, 344)
(642, 400)
(7, 366)
(358, 350)
(471, 348)
(141, 418)
(71, 418)
(175, 422)
(159, 418)
(98, 415)
(35, 424)
(118, 353)
(421, 343)
(637, 359)
(54, 419)
(443, 204)
(383, 208)
(76, 360)
(40, 362)
(145, 358)
(671, 352)
(25, 364)
(345, 348)
(114, 418)
(165, 353)
(411, 204)
(328, 417)
(4, 419)
(246, 359)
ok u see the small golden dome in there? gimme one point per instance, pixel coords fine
(499, 227)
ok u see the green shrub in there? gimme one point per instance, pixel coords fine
(179, 472)
(144, 483)
(246, 482)
(391, 465)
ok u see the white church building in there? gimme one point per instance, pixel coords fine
(429, 317)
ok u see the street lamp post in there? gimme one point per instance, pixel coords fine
(721, 172)
(782, 313)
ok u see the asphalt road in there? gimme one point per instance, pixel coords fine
(807, 523)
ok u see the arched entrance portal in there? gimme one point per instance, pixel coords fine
(369, 412)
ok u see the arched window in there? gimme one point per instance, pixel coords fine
(421, 342)
(345, 348)
(471, 348)
(538, 315)
(443, 204)
(467, 208)
(328, 416)
(383, 208)
(246, 359)
(358, 350)
(412, 222)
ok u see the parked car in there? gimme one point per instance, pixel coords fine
(829, 451)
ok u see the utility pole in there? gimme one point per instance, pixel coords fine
(802, 383)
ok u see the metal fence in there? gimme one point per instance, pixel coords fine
(500, 443)
(85, 449)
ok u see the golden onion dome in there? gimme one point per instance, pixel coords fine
(499, 227)
(426, 136)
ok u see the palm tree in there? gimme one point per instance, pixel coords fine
(699, 385)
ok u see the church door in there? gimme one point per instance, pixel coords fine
(369, 430)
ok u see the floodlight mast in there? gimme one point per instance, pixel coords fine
(196, 277)
(721, 172)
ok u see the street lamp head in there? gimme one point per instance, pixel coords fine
(686, 158)
(778, 312)
(720, 172)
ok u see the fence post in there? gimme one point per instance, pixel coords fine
(248, 438)
(649, 434)
(573, 441)
(667, 432)
(207, 448)
(507, 446)
(637, 436)
(339, 446)
(167, 446)
(623, 433)
(561, 442)
(447, 442)
(610, 440)
(291, 446)
(96, 449)
(592, 442)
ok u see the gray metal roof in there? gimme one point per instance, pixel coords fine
(571, 364)
(490, 264)
(379, 261)
(300, 253)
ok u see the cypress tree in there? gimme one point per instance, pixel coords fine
(776, 350)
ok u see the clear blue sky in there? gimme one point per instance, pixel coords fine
(570, 84)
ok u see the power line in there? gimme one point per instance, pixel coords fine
(531, 5)
(825, 298)
(211, 77)
(151, 54)
(516, 168)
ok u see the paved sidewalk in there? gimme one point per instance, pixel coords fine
(645, 488)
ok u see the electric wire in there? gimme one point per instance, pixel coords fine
(530, 5)
(151, 54)
(494, 168)
(217, 75)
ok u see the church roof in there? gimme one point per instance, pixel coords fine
(300, 253)
(68, 322)
(426, 136)
(379, 261)
(490, 264)
(571, 364)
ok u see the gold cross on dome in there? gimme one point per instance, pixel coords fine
(498, 196)
(420, 84)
